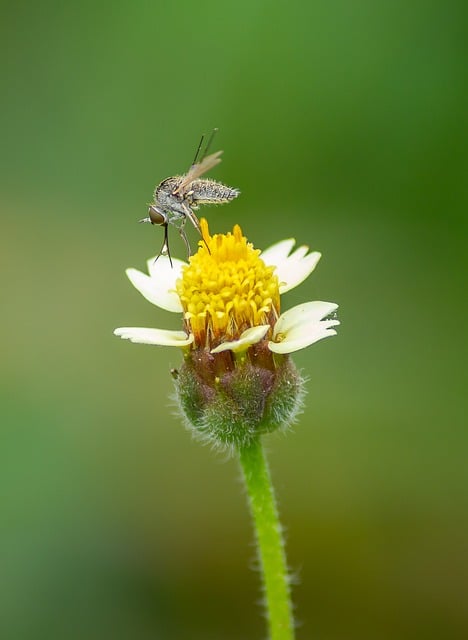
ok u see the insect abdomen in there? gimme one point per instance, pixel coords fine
(210, 191)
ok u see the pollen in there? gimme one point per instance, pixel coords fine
(226, 288)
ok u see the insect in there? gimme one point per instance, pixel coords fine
(176, 198)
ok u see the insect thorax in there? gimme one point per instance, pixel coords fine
(165, 189)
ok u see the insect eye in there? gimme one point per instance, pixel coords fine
(156, 216)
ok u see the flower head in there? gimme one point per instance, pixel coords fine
(234, 338)
(226, 290)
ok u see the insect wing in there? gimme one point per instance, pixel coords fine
(197, 170)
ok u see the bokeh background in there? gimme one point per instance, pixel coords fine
(342, 124)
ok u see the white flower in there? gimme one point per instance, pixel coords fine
(229, 295)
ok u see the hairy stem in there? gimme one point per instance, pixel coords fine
(269, 540)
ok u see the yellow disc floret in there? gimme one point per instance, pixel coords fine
(226, 288)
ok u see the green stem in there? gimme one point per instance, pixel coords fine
(269, 540)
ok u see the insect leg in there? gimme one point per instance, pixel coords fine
(198, 149)
(185, 239)
(208, 144)
(196, 223)
(193, 219)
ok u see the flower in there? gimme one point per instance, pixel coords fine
(237, 380)
(229, 295)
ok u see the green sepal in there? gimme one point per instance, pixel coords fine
(232, 409)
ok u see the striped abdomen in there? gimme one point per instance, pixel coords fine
(211, 192)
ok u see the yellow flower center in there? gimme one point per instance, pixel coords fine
(226, 288)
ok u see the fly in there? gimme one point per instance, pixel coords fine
(176, 198)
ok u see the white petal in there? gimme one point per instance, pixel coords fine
(296, 268)
(161, 337)
(307, 313)
(300, 339)
(290, 269)
(247, 338)
(303, 325)
(277, 252)
(155, 289)
(161, 269)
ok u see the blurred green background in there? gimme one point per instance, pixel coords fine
(342, 124)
